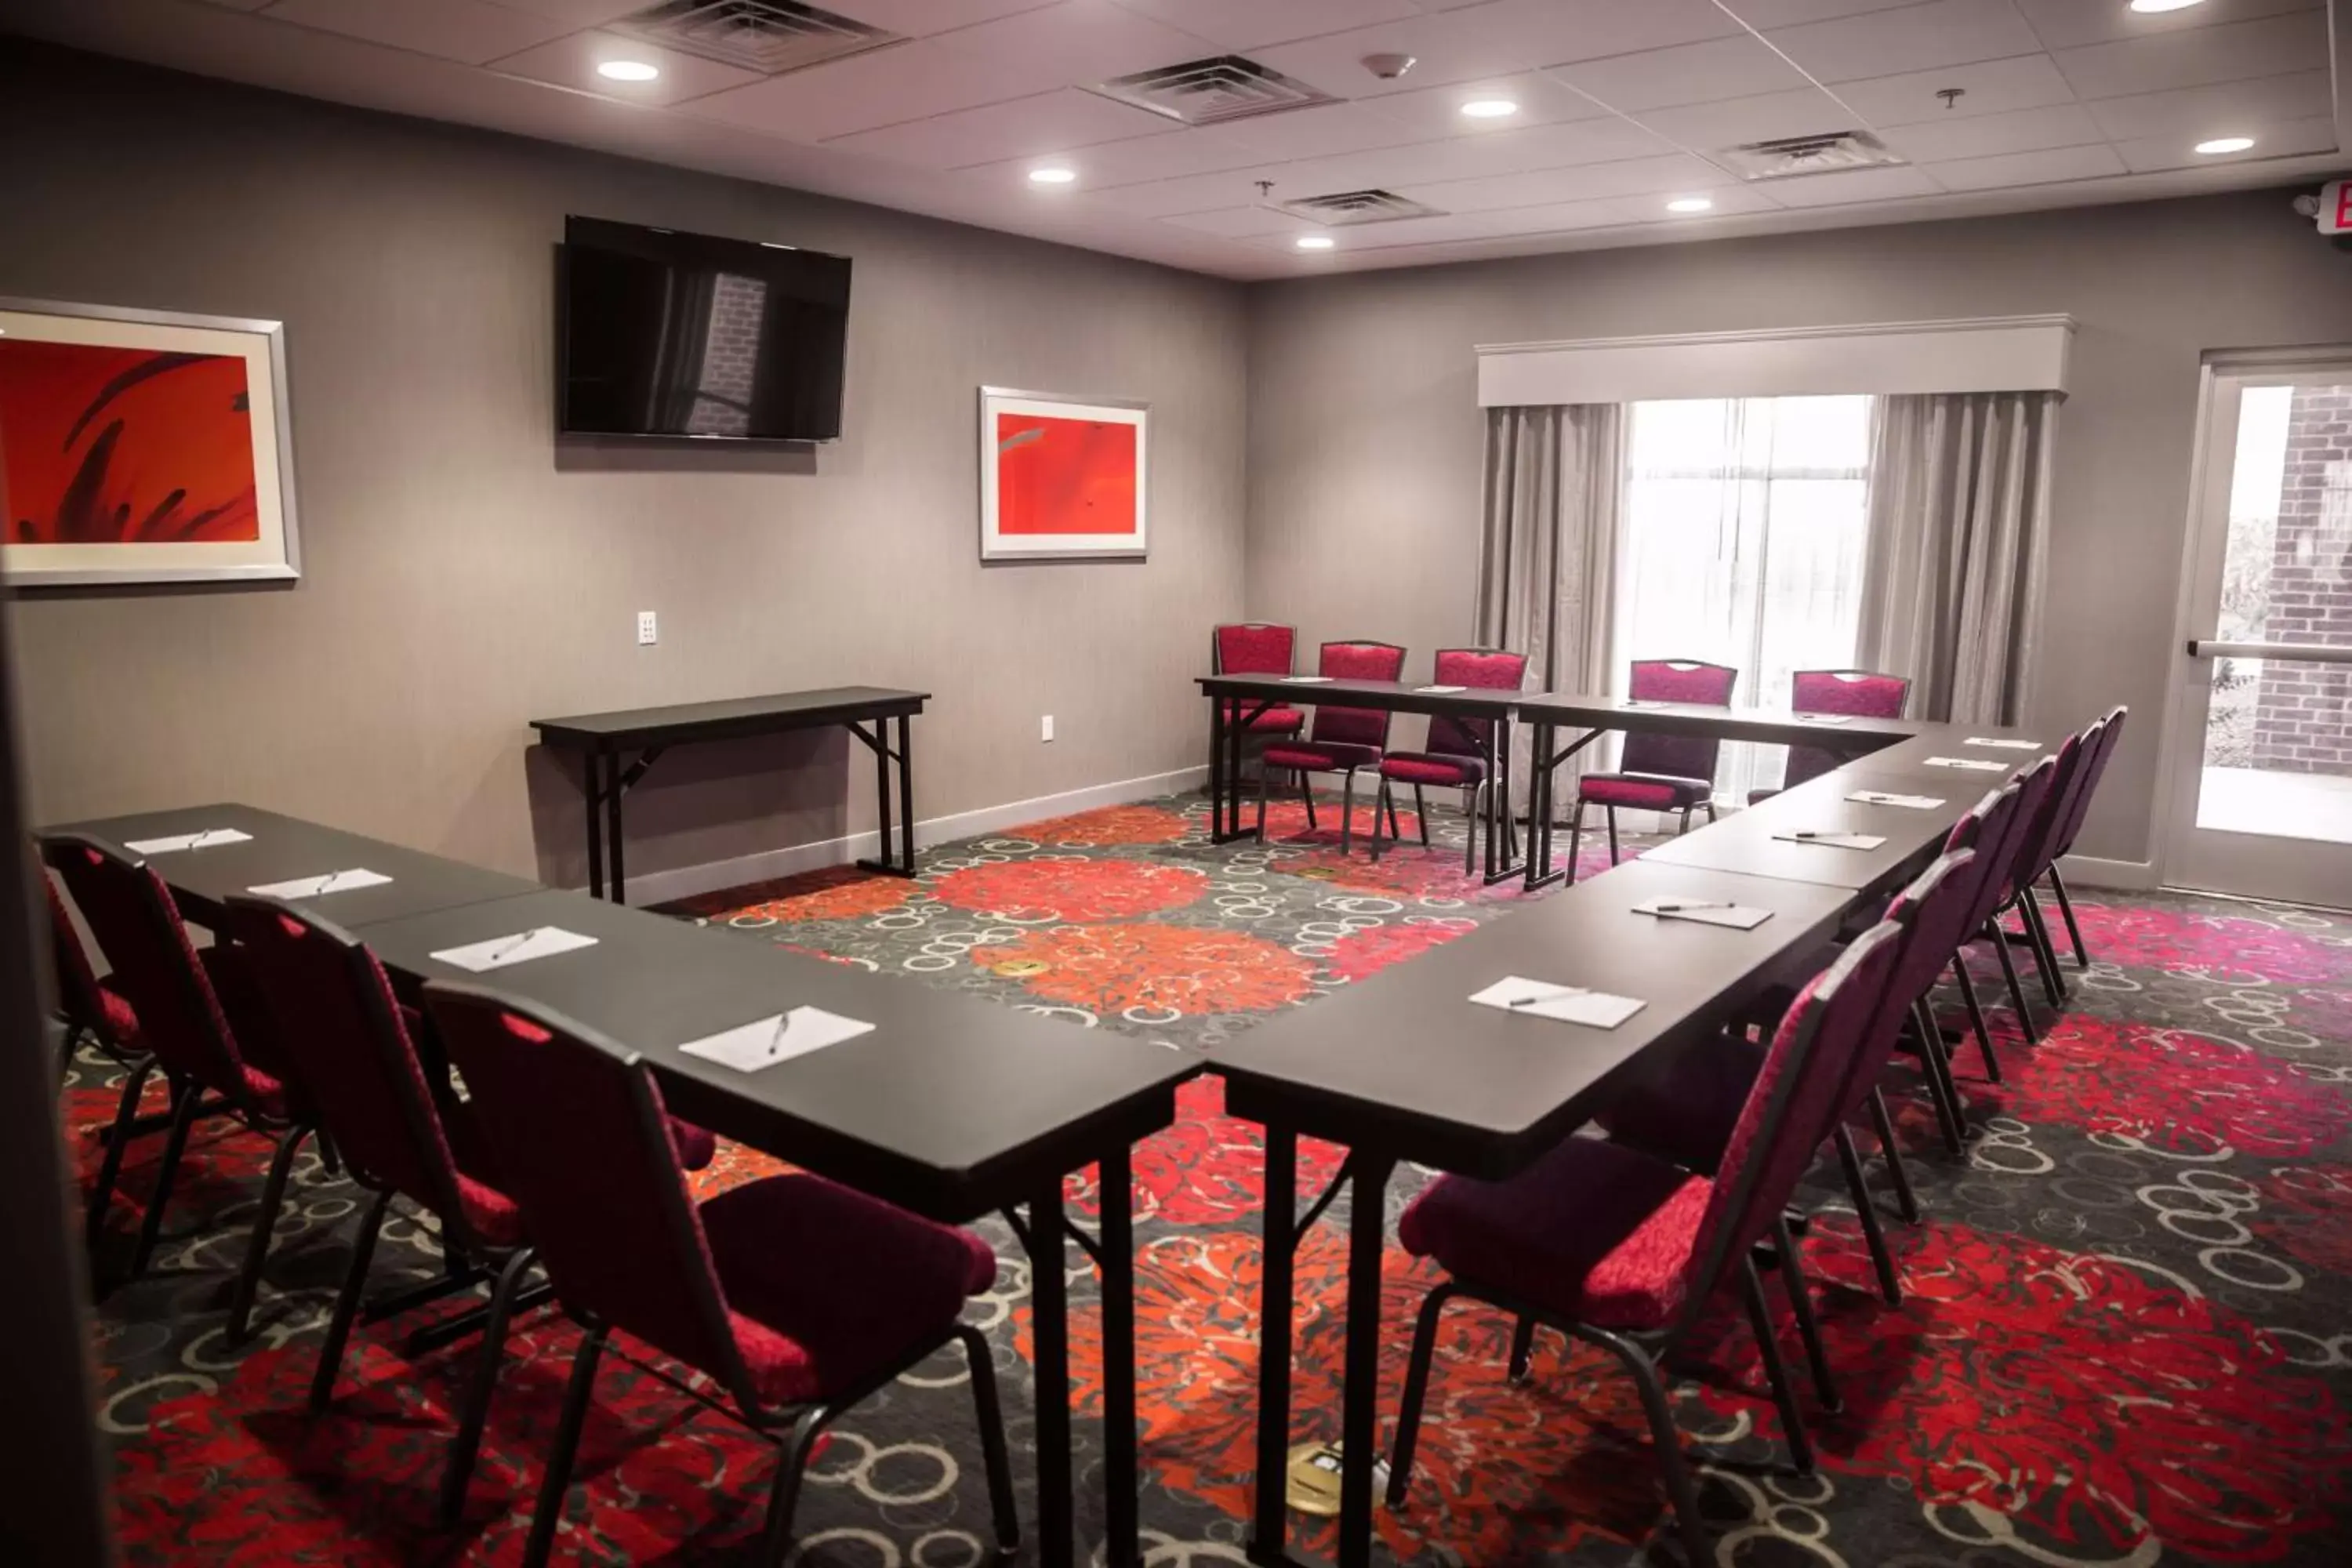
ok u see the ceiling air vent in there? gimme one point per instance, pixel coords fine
(1816, 154)
(770, 37)
(1202, 92)
(1357, 206)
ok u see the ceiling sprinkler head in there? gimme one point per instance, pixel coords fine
(1951, 95)
(1388, 68)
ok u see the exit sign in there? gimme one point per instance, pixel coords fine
(2336, 207)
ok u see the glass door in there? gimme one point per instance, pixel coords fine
(2261, 746)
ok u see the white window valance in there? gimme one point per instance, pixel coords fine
(1993, 353)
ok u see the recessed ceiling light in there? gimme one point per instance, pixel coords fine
(1691, 205)
(1316, 242)
(1489, 108)
(2221, 144)
(628, 70)
(2152, 7)
(1052, 175)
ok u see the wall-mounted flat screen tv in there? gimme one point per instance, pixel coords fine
(661, 332)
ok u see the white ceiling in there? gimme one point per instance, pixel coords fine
(1624, 104)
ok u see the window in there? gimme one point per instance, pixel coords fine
(1743, 542)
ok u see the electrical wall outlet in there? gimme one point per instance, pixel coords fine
(1045, 728)
(647, 636)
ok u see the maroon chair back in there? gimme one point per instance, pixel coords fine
(1797, 1091)
(1253, 648)
(152, 961)
(1999, 856)
(1356, 661)
(1865, 693)
(1677, 680)
(2037, 844)
(79, 996)
(1482, 670)
(585, 1152)
(1933, 915)
(341, 1025)
(2111, 734)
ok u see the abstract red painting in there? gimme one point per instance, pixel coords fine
(1060, 478)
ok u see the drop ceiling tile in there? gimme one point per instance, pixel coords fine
(1994, 135)
(1852, 186)
(1706, 127)
(2045, 167)
(913, 18)
(2164, 60)
(1200, 149)
(1731, 201)
(1502, 38)
(1740, 67)
(2063, 23)
(1080, 41)
(1386, 236)
(1252, 24)
(2282, 139)
(1319, 133)
(1559, 218)
(468, 30)
(1554, 32)
(2227, 108)
(1437, 112)
(571, 60)
(1508, 153)
(1910, 38)
(578, 13)
(1051, 123)
(1988, 87)
(1240, 222)
(881, 87)
(1202, 193)
(238, 5)
(1765, 14)
(1634, 176)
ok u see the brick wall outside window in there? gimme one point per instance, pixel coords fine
(731, 353)
(2303, 712)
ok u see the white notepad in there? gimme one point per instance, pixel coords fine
(1439, 690)
(1738, 916)
(1562, 1004)
(1834, 840)
(1824, 718)
(211, 837)
(1909, 802)
(1306, 679)
(1974, 765)
(767, 1041)
(517, 947)
(2005, 745)
(313, 886)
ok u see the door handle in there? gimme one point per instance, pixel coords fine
(2291, 652)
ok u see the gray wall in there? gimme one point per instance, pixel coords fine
(462, 575)
(1365, 434)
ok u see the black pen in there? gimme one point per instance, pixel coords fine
(1557, 995)
(522, 941)
(1677, 909)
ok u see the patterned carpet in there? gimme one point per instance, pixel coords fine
(2128, 1336)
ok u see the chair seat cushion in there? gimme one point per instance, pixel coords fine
(1653, 792)
(118, 1021)
(1685, 1118)
(695, 1146)
(826, 1287)
(268, 1094)
(1758, 796)
(1321, 756)
(489, 1212)
(1273, 722)
(1429, 768)
(1593, 1231)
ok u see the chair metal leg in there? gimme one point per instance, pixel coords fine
(2045, 956)
(1523, 1348)
(1470, 831)
(1307, 798)
(1416, 1389)
(1976, 1015)
(458, 1473)
(2066, 911)
(1710, 804)
(990, 1415)
(257, 1250)
(1265, 790)
(1784, 1394)
(1683, 825)
(1999, 941)
(1666, 1438)
(1611, 812)
(110, 1166)
(1380, 800)
(785, 1491)
(1396, 829)
(1348, 813)
(1421, 815)
(1906, 1201)
(347, 1304)
(549, 1511)
(1575, 838)
(1800, 1302)
(1874, 1233)
(1937, 1067)
(175, 1143)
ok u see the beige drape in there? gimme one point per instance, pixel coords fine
(1952, 575)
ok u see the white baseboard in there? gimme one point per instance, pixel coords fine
(2126, 876)
(686, 881)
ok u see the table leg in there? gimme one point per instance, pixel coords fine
(1049, 1308)
(882, 791)
(592, 786)
(1217, 780)
(1360, 1399)
(1269, 1522)
(614, 790)
(1538, 806)
(1123, 1478)
(906, 797)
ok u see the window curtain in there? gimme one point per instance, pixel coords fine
(1952, 574)
(1550, 517)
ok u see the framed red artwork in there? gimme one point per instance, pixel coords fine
(1062, 478)
(143, 446)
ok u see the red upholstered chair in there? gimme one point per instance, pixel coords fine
(1861, 693)
(1342, 740)
(1659, 772)
(90, 1008)
(201, 1015)
(798, 1297)
(1257, 647)
(2111, 734)
(1623, 1250)
(2035, 849)
(1454, 756)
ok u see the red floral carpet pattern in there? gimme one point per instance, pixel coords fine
(2127, 1336)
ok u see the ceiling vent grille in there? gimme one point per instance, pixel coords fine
(1204, 92)
(1816, 154)
(1346, 207)
(770, 37)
